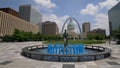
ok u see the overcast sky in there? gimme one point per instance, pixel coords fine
(93, 11)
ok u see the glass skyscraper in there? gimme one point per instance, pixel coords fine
(114, 17)
(29, 13)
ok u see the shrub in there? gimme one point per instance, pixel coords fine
(118, 42)
(96, 36)
(29, 36)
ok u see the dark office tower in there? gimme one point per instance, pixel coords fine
(30, 14)
(50, 28)
(114, 17)
(86, 27)
(99, 31)
(10, 11)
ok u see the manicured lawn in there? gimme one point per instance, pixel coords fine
(76, 42)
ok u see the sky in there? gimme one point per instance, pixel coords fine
(93, 11)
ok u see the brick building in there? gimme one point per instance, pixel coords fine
(49, 28)
(10, 11)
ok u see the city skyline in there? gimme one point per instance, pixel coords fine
(83, 10)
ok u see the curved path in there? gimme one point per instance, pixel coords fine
(10, 58)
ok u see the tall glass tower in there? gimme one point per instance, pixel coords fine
(30, 14)
(114, 17)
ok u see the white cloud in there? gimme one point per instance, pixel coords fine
(59, 21)
(45, 3)
(90, 10)
(101, 21)
(93, 9)
(49, 17)
(108, 4)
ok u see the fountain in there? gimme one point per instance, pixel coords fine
(66, 49)
(66, 52)
(70, 49)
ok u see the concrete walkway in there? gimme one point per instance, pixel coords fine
(10, 58)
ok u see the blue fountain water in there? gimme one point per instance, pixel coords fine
(70, 49)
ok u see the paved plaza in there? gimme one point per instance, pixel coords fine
(10, 57)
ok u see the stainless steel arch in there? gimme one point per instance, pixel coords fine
(68, 20)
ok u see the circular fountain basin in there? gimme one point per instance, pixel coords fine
(90, 53)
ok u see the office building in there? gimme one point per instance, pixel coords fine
(86, 27)
(8, 23)
(49, 28)
(114, 17)
(10, 11)
(30, 14)
(97, 31)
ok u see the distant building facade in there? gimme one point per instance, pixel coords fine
(40, 27)
(10, 11)
(85, 30)
(114, 17)
(8, 23)
(97, 31)
(49, 28)
(30, 14)
(86, 27)
(83, 36)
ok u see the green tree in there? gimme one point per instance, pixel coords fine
(96, 36)
(29, 36)
(6, 38)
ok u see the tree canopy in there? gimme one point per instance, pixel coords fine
(29, 36)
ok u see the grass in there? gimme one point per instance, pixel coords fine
(75, 42)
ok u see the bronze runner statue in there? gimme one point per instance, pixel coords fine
(65, 36)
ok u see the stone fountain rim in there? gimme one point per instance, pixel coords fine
(30, 48)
